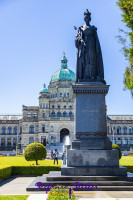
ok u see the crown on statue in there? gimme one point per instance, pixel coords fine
(87, 12)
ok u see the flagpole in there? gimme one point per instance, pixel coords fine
(113, 134)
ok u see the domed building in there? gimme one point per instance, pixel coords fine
(53, 119)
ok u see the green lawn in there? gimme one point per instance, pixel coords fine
(20, 161)
(13, 197)
(126, 161)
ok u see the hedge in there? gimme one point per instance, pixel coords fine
(26, 170)
(34, 170)
(5, 172)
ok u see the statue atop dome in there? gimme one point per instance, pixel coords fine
(89, 66)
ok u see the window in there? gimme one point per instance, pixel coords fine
(28, 115)
(3, 130)
(34, 115)
(124, 140)
(9, 142)
(70, 107)
(118, 130)
(67, 94)
(113, 140)
(40, 105)
(43, 105)
(53, 114)
(43, 114)
(15, 130)
(119, 141)
(9, 130)
(2, 141)
(43, 128)
(31, 129)
(70, 114)
(58, 114)
(14, 141)
(60, 94)
(31, 140)
(124, 130)
(52, 139)
(58, 107)
(64, 114)
(130, 130)
(52, 106)
(130, 140)
(64, 107)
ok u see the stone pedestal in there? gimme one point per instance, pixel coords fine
(91, 153)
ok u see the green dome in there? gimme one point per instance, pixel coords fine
(44, 89)
(64, 72)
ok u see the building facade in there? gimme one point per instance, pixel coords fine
(53, 118)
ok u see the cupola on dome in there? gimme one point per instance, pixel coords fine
(44, 88)
(64, 73)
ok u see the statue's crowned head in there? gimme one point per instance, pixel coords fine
(87, 16)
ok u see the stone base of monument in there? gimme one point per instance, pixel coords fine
(103, 183)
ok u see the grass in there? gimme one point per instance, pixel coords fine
(126, 161)
(13, 197)
(7, 161)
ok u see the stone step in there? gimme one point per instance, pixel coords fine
(84, 183)
(99, 188)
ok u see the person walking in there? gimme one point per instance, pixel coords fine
(64, 158)
(51, 155)
(56, 153)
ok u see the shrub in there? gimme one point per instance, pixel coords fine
(35, 151)
(1, 155)
(34, 170)
(115, 146)
(5, 173)
(59, 193)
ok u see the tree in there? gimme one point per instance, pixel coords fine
(115, 146)
(35, 152)
(126, 40)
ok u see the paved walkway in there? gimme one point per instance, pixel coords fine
(17, 186)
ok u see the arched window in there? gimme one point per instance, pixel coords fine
(64, 114)
(3, 141)
(31, 140)
(9, 130)
(34, 115)
(130, 140)
(53, 114)
(52, 106)
(58, 107)
(130, 130)
(124, 130)
(15, 130)
(43, 114)
(70, 114)
(3, 130)
(31, 129)
(125, 140)
(9, 142)
(70, 107)
(58, 114)
(64, 107)
(118, 130)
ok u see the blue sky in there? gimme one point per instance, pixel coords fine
(33, 36)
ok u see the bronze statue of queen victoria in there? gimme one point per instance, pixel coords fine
(89, 66)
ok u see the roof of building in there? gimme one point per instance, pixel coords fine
(63, 73)
(44, 88)
(121, 117)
